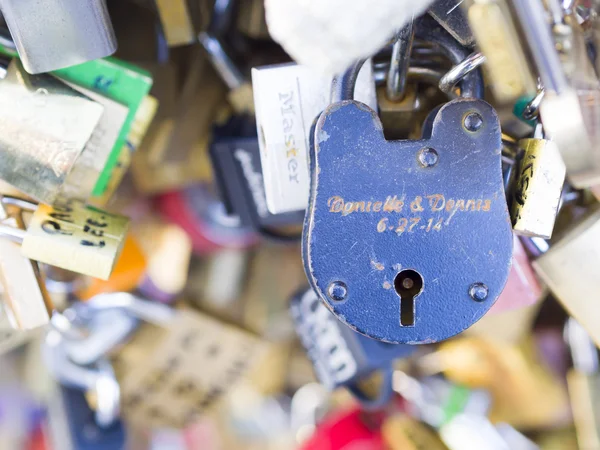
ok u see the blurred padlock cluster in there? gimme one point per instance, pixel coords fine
(299, 224)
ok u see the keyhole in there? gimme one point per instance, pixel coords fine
(408, 284)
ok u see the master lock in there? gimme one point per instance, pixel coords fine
(407, 241)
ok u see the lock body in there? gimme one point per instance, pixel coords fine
(407, 241)
(77, 238)
(539, 185)
(54, 34)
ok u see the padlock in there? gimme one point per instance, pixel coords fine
(496, 35)
(239, 176)
(402, 111)
(538, 188)
(412, 216)
(341, 356)
(59, 33)
(571, 103)
(287, 99)
(46, 127)
(584, 385)
(240, 89)
(569, 266)
(158, 366)
(226, 65)
(71, 236)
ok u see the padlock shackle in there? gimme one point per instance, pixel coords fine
(342, 86)
(429, 30)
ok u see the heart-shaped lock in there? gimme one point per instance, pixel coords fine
(407, 241)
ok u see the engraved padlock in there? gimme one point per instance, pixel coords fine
(71, 236)
(407, 241)
(54, 34)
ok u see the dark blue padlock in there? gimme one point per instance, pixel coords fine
(407, 241)
(340, 356)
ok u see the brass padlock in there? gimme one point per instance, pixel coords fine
(506, 60)
(539, 186)
(75, 237)
(70, 236)
(159, 365)
(45, 128)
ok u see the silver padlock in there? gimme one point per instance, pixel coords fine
(45, 127)
(55, 34)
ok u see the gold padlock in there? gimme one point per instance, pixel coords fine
(75, 237)
(70, 236)
(159, 367)
(506, 60)
(539, 185)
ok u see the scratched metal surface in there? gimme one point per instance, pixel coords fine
(351, 160)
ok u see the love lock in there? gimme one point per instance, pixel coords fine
(407, 241)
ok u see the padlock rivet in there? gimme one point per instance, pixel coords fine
(337, 291)
(473, 122)
(428, 157)
(478, 292)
